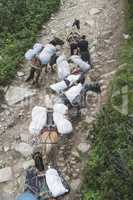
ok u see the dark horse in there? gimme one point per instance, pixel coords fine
(37, 67)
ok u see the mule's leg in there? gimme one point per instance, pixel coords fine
(46, 68)
(31, 75)
(83, 99)
(52, 68)
(78, 111)
(38, 72)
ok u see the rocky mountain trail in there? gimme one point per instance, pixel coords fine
(102, 22)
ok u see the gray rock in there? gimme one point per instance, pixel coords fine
(6, 148)
(25, 149)
(111, 61)
(122, 66)
(53, 32)
(25, 137)
(75, 175)
(8, 191)
(89, 120)
(44, 27)
(83, 147)
(126, 36)
(94, 11)
(89, 23)
(17, 94)
(94, 43)
(20, 74)
(6, 174)
(75, 184)
(107, 41)
(28, 164)
(92, 50)
(108, 75)
(107, 34)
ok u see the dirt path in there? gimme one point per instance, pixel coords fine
(101, 21)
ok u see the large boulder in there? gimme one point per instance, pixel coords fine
(6, 174)
(94, 11)
(17, 94)
(24, 149)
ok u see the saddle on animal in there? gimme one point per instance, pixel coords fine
(49, 134)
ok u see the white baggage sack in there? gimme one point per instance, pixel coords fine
(30, 54)
(46, 54)
(63, 68)
(73, 78)
(39, 120)
(60, 108)
(82, 64)
(63, 125)
(54, 183)
(73, 92)
(59, 87)
(37, 47)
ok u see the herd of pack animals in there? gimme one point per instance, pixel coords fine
(48, 126)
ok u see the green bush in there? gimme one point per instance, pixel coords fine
(109, 172)
(19, 23)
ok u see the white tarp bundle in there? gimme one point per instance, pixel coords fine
(78, 61)
(38, 47)
(61, 86)
(73, 92)
(63, 125)
(73, 78)
(63, 68)
(46, 54)
(39, 119)
(30, 54)
(60, 108)
(54, 183)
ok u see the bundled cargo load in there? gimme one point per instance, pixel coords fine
(63, 125)
(63, 85)
(38, 47)
(54, 183)
(63, 68)
(59, 87)
(60, 108)
(82, 64)
(73, 92)
(46, 54)
(39, 120)
(30, 54)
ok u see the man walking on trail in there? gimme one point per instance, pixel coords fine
(77, 24)
(84, 50)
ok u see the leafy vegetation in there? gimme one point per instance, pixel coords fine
(109, 171)
(20, 20)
